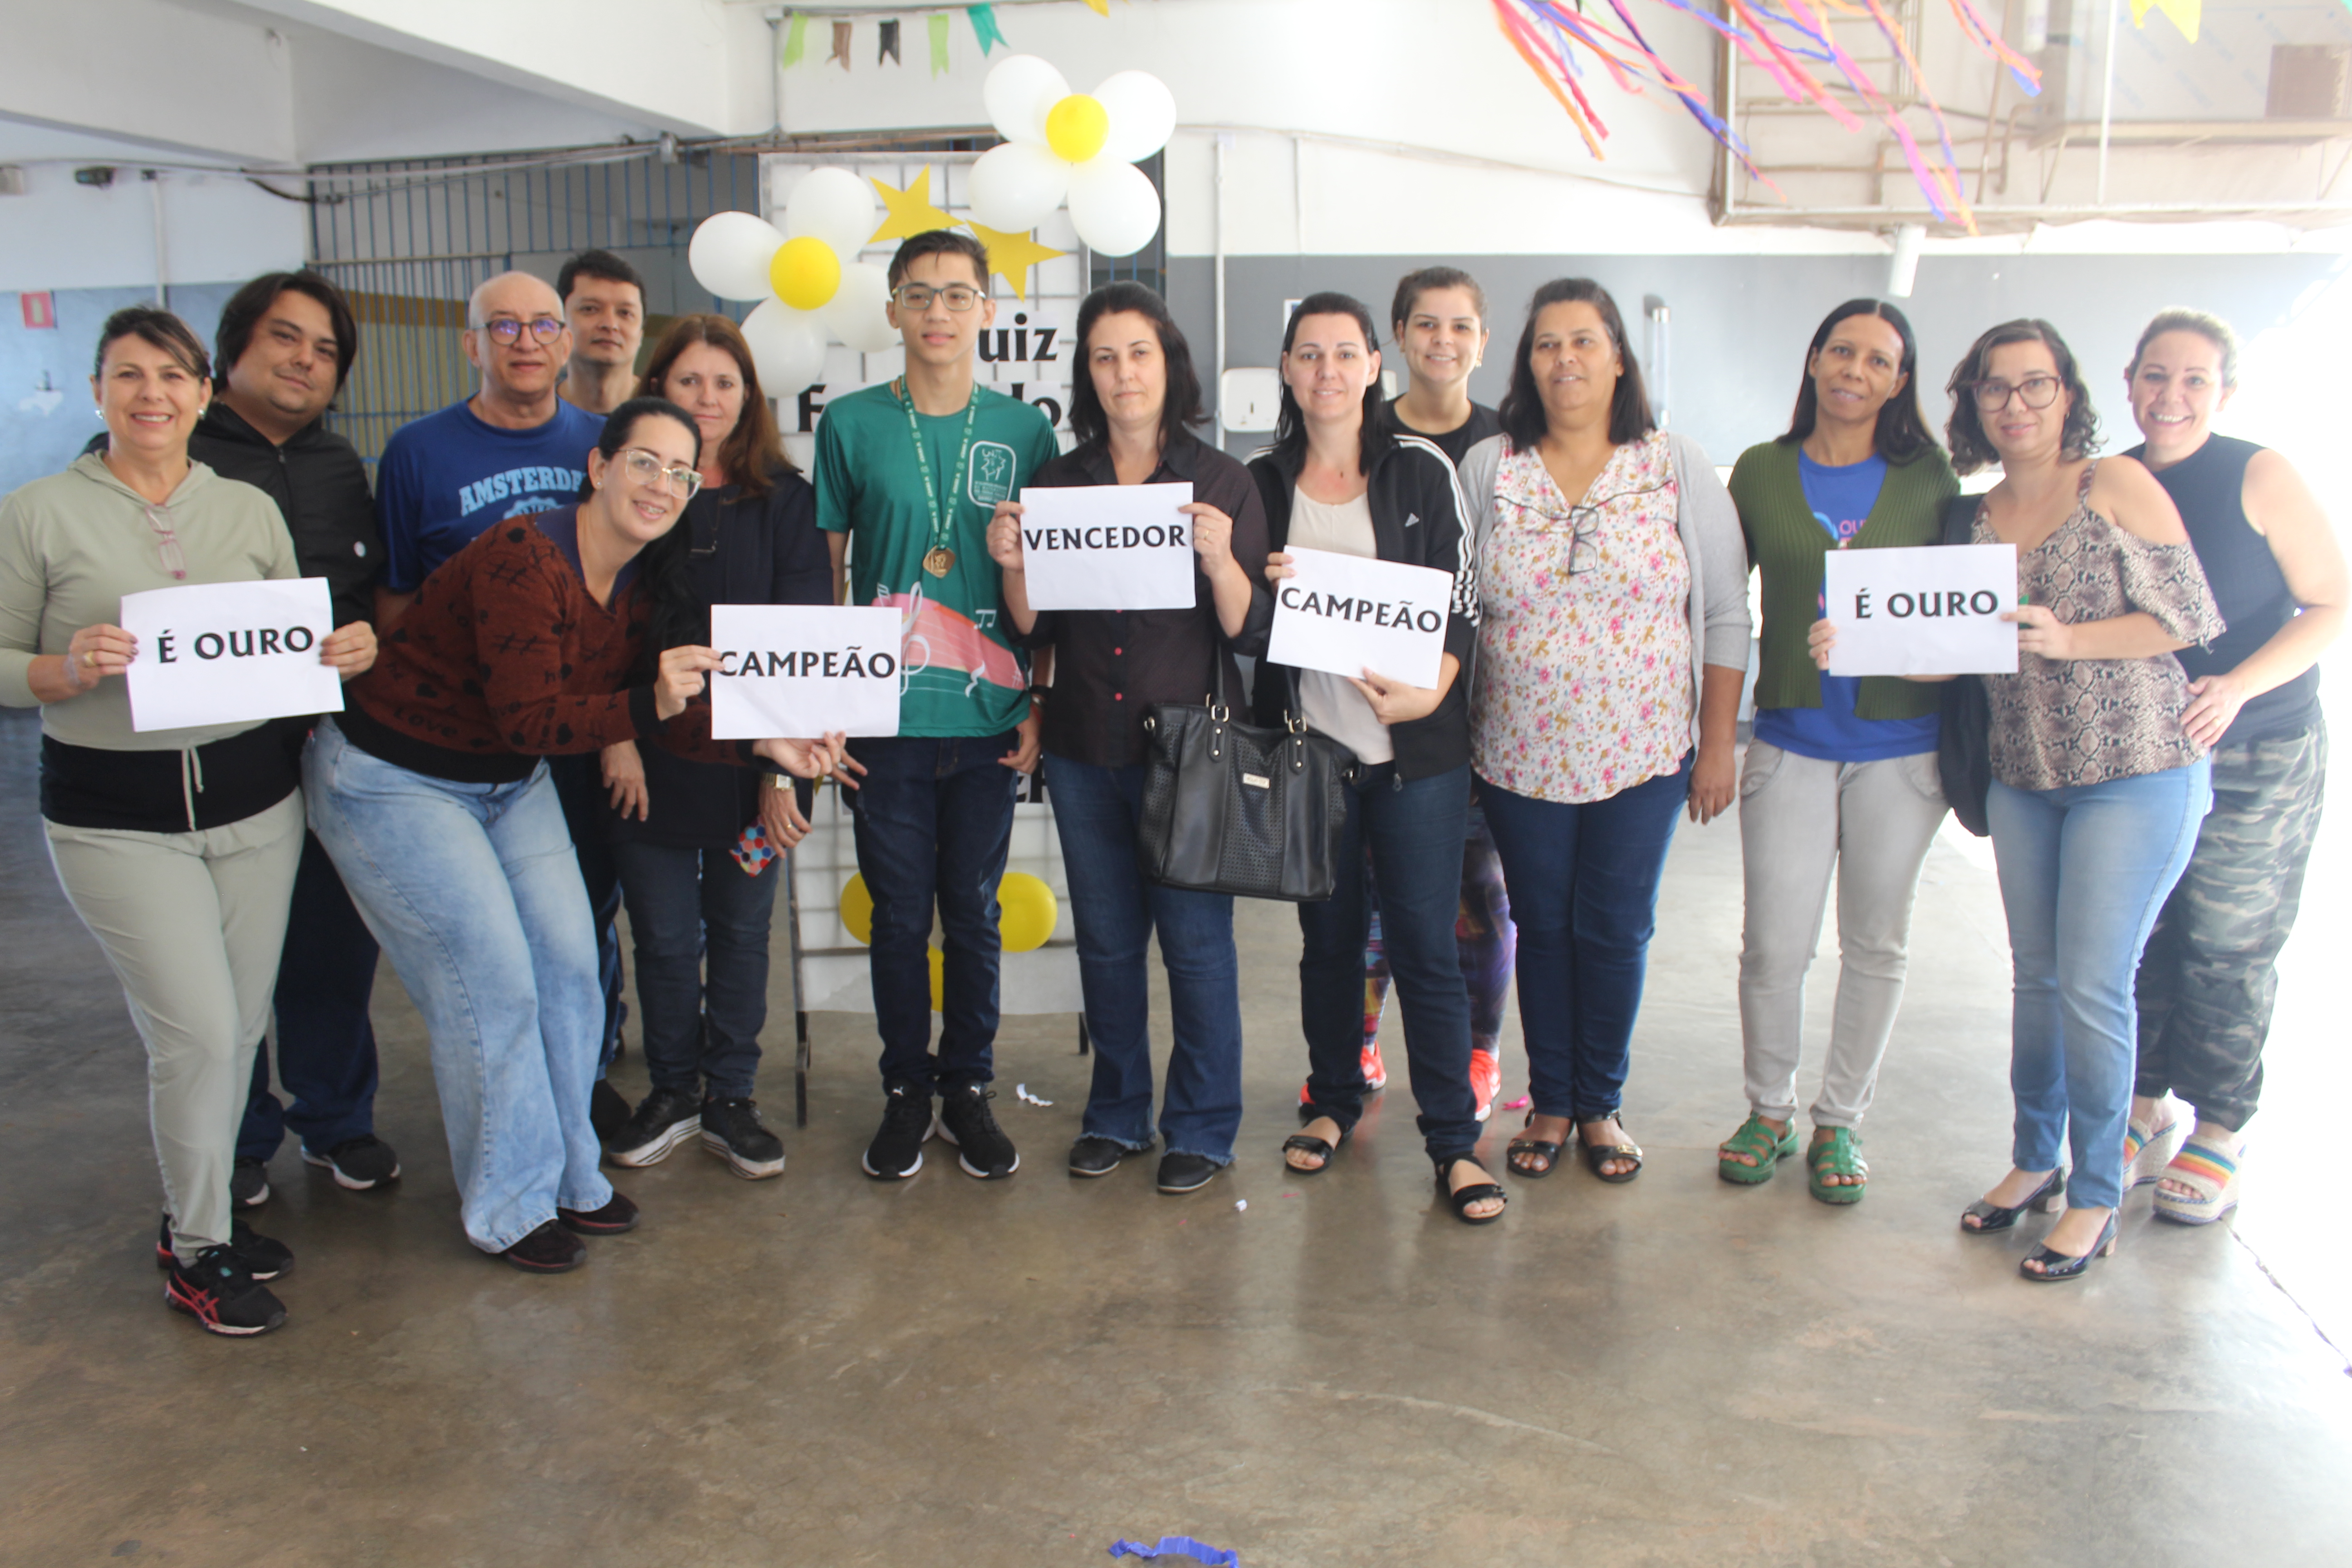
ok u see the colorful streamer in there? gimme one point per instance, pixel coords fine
(985, 28)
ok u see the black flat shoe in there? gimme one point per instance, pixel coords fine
(1307, 1143)
(1476, 1193)
(2048, 1197)
(1186, 1173)
(2058, 1265)
(618, 1215)
(1093, 1156)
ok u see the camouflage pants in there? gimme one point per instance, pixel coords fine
(2209, 975)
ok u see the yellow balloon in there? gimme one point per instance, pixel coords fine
(805, 273)
(857, 909)
(1077, 128)
(1027, 912)
(939, 980)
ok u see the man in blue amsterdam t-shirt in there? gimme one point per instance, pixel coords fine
(908, 475)
(513, 448)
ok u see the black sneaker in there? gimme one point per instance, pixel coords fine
(358, 1163)
(664, 1119)
(220, 1293)
(263, 1258)
(896, 1151)
(549, 1249)
(608, 1109)
(1186, 1173)
(248, 1182)
(618, 1215)
(1093, 1156)
(966, 1121)
(732, 1129)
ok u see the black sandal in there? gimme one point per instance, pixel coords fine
(1549, 1151)
(1598, 1154)
(1307, 1145)
(1476, 1193)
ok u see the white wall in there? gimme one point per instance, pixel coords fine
(60, 235)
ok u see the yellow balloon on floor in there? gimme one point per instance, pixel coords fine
(857, 909)
(939, 980)
(1027, 911)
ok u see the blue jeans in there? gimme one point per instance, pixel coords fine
(1414, 830)
(933, 819)
(326, 1046)
(474, 893)
(2084, 873)
(687, 906)
(1115, 909)
(579, 786)
(1583, 882)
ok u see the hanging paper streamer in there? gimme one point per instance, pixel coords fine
(985, 28)
(795, 39)
(1178, 1546)
(938, 27)
(889, 49)
(1102, 7)
(2185, 13)
(840, 45)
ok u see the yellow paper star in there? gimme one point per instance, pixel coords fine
(1011, 255)
(911, 211)
(2185, 14)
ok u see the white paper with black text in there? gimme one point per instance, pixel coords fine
(230, 653)
(1108, 547)
(1348, 614)
(797, 671)
(1933, 610)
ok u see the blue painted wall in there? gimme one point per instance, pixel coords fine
(46, 410)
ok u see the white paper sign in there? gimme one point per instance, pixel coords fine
(1108, 547)
(230, 653)
(1934, 610)
(1348, 614)
(802, 670)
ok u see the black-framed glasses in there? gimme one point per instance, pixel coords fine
(508, 331)
(2037, 391)
(960, 296)
(648, 469)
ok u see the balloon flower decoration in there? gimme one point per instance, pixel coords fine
(1027, 914)
(806, 277)
(1079, 145)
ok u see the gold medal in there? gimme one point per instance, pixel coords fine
(938, 560)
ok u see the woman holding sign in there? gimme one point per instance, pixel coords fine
(1132, 412)
(2277, 572)
(1339, 479)
(1841, 776)
(433, 797)
(1615, 588)
(177, 847)
(698, 844)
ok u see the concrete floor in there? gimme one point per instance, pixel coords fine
(825, 1371)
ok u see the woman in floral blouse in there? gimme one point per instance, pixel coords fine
(1614, 586)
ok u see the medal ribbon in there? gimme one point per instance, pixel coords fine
(941, 532)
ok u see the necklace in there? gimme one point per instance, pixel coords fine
(940, 559)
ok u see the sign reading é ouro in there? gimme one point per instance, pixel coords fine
(229, 653)
(1930, 610)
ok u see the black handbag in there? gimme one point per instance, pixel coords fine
(1964, 737)
(1241, 809)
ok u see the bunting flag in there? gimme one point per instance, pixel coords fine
(795, 39)
(2185, 13)
(938, 27)
(1102, 7)
(840, 45)
(985, 28)
(889, 49)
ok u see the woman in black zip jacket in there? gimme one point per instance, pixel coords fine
(1339, 478)
(699, 891)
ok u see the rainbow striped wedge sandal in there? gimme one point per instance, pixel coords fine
(2208, 1168)
(2149, 1150)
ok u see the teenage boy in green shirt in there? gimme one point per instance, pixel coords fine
(911, 472)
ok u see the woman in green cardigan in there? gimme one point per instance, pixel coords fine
(1841, 771)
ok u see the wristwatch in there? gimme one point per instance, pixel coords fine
(1038, 692)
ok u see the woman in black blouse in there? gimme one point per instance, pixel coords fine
(1131, 410)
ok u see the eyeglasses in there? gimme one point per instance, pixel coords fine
(646, 470)
(175, 559)
(960, 296)
(2037, 391)
(508, 331)
(1584, 549)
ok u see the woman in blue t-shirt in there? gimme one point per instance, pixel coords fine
(1841, 771)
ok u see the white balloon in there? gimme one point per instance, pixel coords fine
(729, 253)
(855, 312)
(1142, 115)
(833, 205)
(1018, 91)
(787, 348)
(1012, 186)
(1113, 206)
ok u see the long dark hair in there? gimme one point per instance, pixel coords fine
(752, 452)
(1183, 405)
(1524, 420)
(677, 616)
(1290, 422)
(1902, 434)
(1971, 448)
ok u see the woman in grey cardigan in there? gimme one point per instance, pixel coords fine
(1615, 586)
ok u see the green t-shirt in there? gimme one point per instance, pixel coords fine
(963, 675)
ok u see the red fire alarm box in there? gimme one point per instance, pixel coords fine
(40, 310)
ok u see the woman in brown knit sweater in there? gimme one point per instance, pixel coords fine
(431, 796)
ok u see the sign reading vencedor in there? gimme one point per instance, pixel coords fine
(1934, 610)
(801, 670)
(1108, 547)
(229, 653)
(1348, 614)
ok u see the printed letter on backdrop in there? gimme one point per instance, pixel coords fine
(1108, 547)
(799, 671)
(230, 653)
(1348, 614)
(1935, 610)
